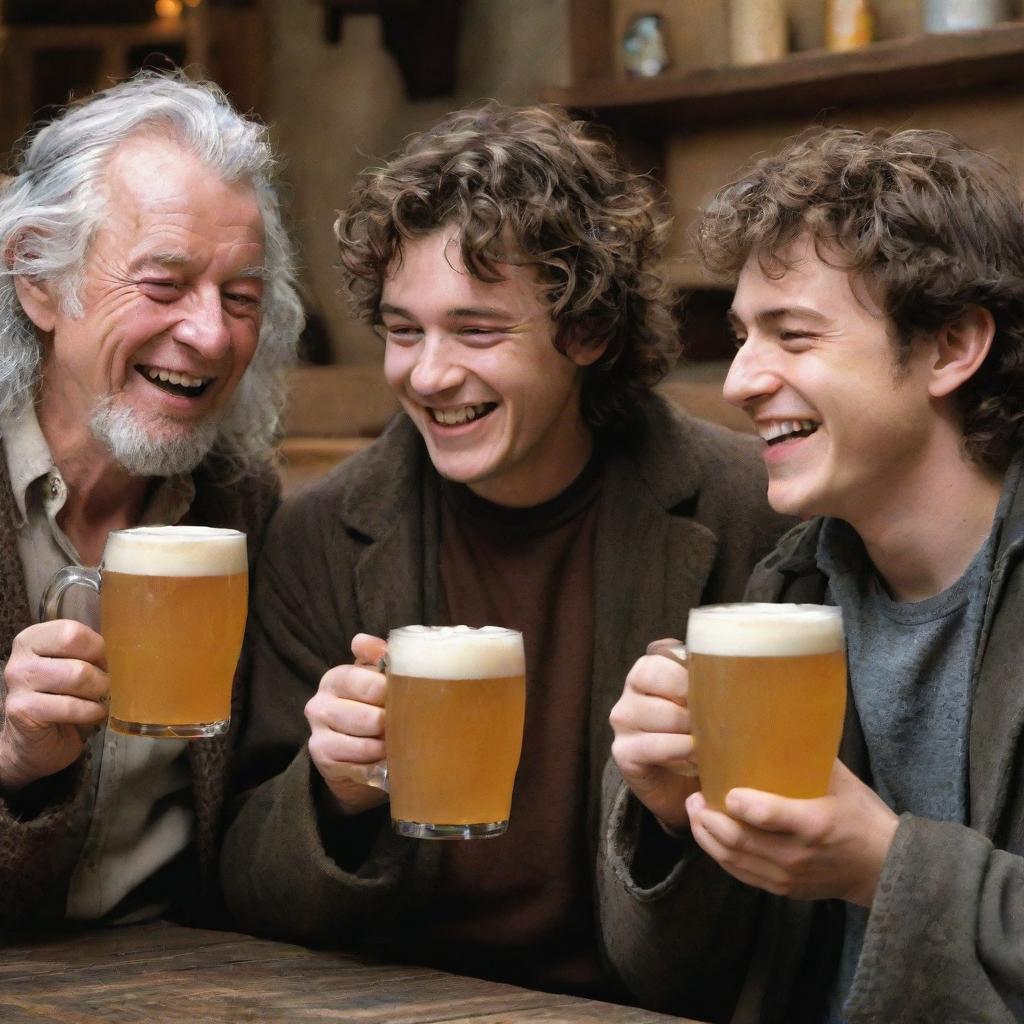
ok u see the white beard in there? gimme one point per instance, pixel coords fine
(141, 454)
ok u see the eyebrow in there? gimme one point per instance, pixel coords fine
(459, 313)
(767, 317)
(177, 258)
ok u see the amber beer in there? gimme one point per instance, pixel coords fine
(173, 604)
(767, 697)
(455, 704)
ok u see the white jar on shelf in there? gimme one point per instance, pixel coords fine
(757, 31)
(962, 15)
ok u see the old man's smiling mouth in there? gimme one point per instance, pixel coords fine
(184, 385)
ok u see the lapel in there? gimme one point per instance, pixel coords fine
(384, 505)
(997, 707)
(652, 561)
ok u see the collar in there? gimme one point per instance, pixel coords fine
(28, 456)
(29, 459)
(663, 450)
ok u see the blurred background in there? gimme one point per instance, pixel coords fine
(692, 89)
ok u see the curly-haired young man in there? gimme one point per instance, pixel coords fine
(880, 322)
(533, 482)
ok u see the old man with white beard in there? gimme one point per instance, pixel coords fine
(146, 309)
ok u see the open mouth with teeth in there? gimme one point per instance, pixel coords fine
(463, 414)
(787, 430)
(181, 384)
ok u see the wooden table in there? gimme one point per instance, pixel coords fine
(160, 973)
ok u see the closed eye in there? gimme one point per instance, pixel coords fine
(796, 341)
(402, 334)
(161, 291)
(482, 335)
(242, 301)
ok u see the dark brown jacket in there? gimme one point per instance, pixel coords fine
(682, 519)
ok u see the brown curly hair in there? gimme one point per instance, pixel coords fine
(530, 187)
(932, 227)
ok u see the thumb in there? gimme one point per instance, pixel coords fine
(368, 650)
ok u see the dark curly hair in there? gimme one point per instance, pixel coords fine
(530, 187)
(932, 227)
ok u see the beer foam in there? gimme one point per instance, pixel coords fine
(765, 630)
(455, 652)
(175, 551)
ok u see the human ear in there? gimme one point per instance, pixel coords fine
(576, 347)
(960, 349)
(38, 300)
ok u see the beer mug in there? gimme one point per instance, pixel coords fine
(767, 697)
(173, 602)
(456, 700)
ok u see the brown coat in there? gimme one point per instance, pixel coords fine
(32, 874)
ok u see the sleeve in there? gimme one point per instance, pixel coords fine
(34, 852)
(677, 929)
(281, 858)
(945, 937)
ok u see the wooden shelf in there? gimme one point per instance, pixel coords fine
(889, 71)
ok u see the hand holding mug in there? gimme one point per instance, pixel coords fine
(653, 747)
(57, 688)
(346, 720)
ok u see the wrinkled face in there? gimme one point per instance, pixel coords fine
(844, 427)
(171, 296)
(475, 367)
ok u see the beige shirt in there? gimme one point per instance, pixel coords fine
(139, 817)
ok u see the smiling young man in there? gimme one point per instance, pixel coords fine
(879, 317)
(534, 482)
(147, 305)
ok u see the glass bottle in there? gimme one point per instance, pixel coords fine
(849, 24)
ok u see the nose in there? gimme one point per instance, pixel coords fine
(751, 375)
(204, 326)
(436, 369)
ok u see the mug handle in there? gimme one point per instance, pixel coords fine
(52, 601)
(675, 652)
(377, 774)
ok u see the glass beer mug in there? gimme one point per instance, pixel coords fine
(767, 697)
(455, 706)
(173, 603)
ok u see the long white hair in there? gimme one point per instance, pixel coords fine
(50, 209)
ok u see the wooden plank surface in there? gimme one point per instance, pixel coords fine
(164, 973)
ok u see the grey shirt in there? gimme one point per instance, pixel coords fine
(910, 669)
(138, 819)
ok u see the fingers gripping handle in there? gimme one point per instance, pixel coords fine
(677, 653)
(52, 601)
(377, 774)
